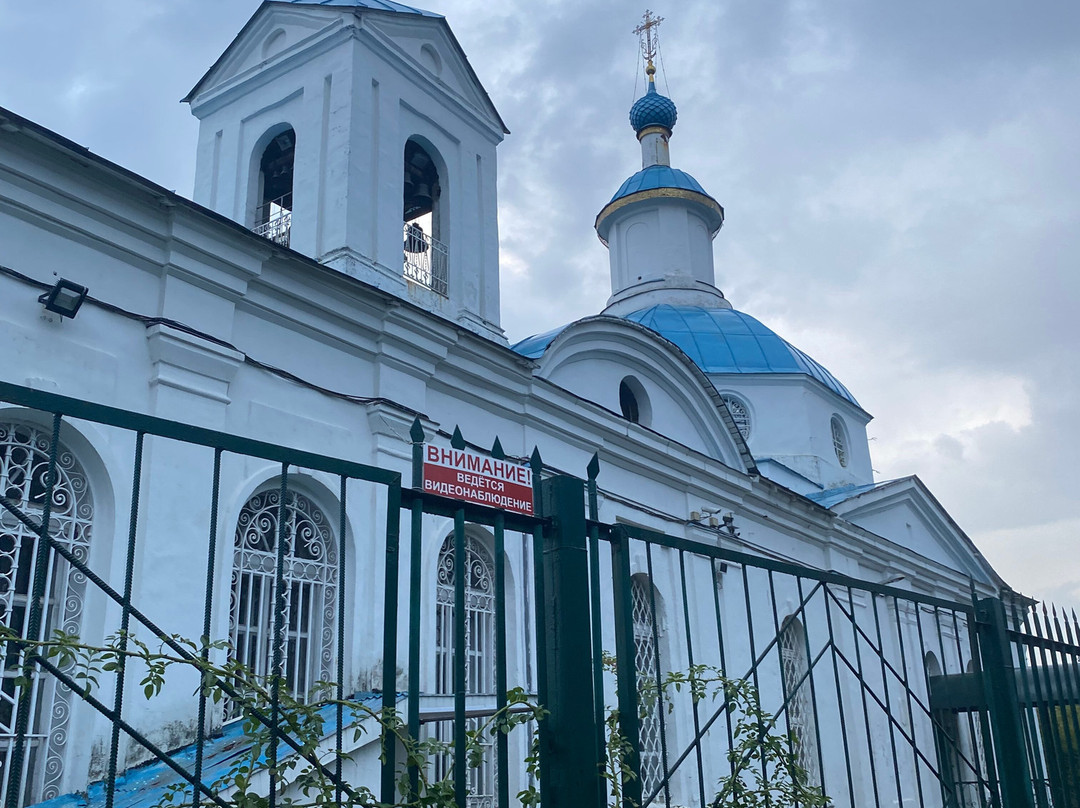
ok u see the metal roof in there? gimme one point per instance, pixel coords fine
(719, 341)
(653, 109)
(658, 177)
(377, 5)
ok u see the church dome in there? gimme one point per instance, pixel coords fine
(653, 109)
(717, 340)
(658, 176)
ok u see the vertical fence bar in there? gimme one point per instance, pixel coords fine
(1029, 705)
(208, 608)
(33, 627)
(1049, 672)
(536, 464)
(502, 751)
(829, 597)
(810, 678)
(125, 622)
(626, 674)
(387, 787)
(1061, 713)
(862, 690)
(1071, 697)
(789, 736)
(596, 623)
(753, 649)
(1000, 685)
(905, 683)
(660, 703)
(690, 662)
(416, 532)
(341, 601)
(978, 760)
(1049, 743)
(461, 566)
(277, 663)
(715, 584)
(573, 766)
(888, 699)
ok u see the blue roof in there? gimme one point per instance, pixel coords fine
(658, 177)
(148, 785)
(718, 340)
(834, 496)
(653, 109)
(377, 5)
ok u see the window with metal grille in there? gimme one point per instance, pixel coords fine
(647, 661)
(310, 588)
(739, 414)
(802, 723)
(839, 440)
(24, 462)
(479, 655)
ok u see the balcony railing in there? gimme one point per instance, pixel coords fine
(273, 220)
(425, 259)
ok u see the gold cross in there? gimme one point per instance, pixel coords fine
(649, 40)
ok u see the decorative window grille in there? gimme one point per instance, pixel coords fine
(647, 662)
(310, 585)
(739, 414)
(479, 655)
(802, 723)
(839, 440)
(24, 462)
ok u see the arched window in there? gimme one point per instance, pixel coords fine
(839, 440)
(647, 662)
(634, 401)
(479, 652)
(310, 586)
(740, 414)
(273, 211)
(802, 722)
(24, 462)
(426, 248)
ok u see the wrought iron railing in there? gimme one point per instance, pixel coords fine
(273, 220)
(425, 259)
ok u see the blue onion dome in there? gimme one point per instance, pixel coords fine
(653, 109)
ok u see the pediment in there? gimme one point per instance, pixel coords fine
(271, 34)
(422, 45)
(593, 356)
(905, 512)
(427, 45)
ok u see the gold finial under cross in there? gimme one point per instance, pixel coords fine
(649, 38)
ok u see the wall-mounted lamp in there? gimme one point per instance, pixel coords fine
(64, 298)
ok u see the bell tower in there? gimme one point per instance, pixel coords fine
(357, 134)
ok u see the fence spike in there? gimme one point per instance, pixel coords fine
(497, 449)
(416, 431)
(458, 440)
(593, 468)
(536, 462)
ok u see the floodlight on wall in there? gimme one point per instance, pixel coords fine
(64, 298)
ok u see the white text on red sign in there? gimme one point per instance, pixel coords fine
(461, 474)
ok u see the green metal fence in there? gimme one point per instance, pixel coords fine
(878, 696)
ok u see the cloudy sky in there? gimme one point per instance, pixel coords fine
(901, 182)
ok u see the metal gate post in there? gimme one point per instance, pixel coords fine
(567, 734)
(999, 681)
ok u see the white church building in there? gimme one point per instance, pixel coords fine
(336, 278)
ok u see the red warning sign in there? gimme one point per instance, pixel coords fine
(465, 475)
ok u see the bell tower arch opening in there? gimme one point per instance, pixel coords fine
(276, 156)
(425, 217)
